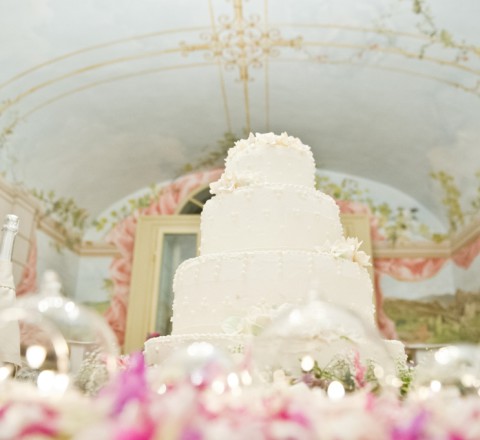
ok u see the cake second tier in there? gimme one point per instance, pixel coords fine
(211, 289)
(269, 216)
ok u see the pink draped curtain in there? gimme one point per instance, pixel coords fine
(415, 269)
(402, 269)
(466, 255)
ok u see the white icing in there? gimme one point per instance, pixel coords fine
(244, 279)
(255, 321)
(158, 349)
(269, 216)
(268, 239)
(268, 140)
(269, 158)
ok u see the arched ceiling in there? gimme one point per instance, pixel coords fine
(101, 98)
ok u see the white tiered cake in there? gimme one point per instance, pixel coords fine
(268, 238)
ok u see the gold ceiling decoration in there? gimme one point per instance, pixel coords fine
(240, 42)
(243, 43)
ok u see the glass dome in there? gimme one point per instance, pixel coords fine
(324, 345)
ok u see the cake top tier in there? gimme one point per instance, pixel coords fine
(267, 158)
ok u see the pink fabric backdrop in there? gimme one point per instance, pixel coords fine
(402, 269)
(465, 256)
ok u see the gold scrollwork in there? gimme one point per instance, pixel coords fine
(239, 42)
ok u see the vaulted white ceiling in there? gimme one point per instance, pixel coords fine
(100, 98)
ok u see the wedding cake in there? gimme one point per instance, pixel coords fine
(268, 238)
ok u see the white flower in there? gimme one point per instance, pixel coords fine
(344, 249)
(348, 249)
(229, 181)
(254, 321)
(226, 183)
(362, 258)
(233, 325)
(358, 256)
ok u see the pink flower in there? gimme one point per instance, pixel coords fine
(123, 362)
(360, 370)
(37, 419)
(123, 235)
(121, 271)
(130, 384)
(414, 430)
(143, 431)
(116, 316)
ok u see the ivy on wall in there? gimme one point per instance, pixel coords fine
(457, 215)
(214, 157)
(428, 27)
(7, 158)
(132, 205)
(395, 223)
(70, 220)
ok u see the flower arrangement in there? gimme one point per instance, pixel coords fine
(130, 408)
(352, 374)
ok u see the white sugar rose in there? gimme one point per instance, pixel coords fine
(348, 249)
(229, 181)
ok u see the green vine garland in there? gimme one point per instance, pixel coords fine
(70, 220)
(399, 223)
(456, 215)
(214, 157)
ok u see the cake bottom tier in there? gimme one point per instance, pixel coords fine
(213, 289)
(390, 354)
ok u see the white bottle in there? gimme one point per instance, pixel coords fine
(9, 330)
(9, 231)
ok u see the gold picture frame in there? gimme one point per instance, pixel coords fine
(147, 263)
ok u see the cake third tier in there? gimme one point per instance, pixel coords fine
(213, 288)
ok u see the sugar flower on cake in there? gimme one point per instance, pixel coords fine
(273, 140)
(254, 321)
(259, 140)
(348, 249)
(229, 181)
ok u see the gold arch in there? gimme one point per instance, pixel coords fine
(96, 47)
(238, 14)
(110, 80)
(193, 65)
(410, 55)
(191, 198)
(87, 49)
